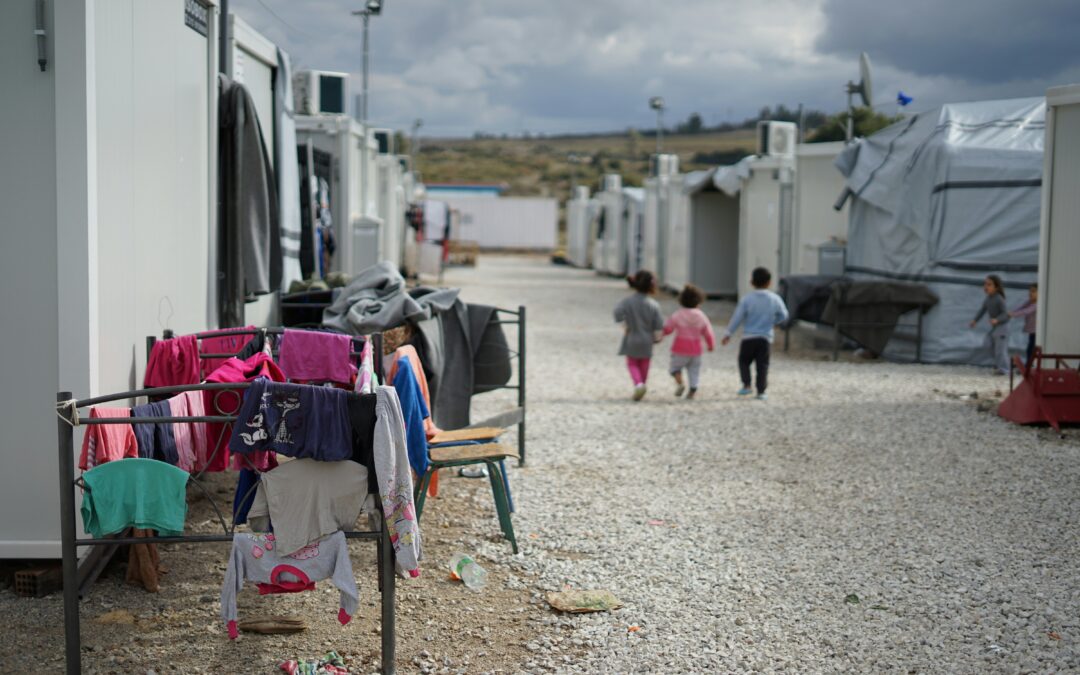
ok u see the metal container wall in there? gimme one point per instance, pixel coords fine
(1059, 244)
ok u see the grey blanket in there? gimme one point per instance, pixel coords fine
(377, 300)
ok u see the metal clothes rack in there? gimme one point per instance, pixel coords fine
(70, 541)
(517, 415)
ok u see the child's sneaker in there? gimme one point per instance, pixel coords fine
(763, 396)
(691, 394)
(679, 390)
(639, 392)
(745, 391)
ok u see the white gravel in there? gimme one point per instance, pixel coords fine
(864, 519)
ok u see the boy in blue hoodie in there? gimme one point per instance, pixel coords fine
(757, 312)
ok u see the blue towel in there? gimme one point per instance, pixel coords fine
(414, 411)
(245, 495)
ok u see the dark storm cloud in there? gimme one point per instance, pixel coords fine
(986, 41)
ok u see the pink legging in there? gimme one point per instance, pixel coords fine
(639, 369)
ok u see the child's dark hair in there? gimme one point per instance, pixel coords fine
(999, 286)
(643, 281)
(1034, 287)
(691, 296)
(760, 277)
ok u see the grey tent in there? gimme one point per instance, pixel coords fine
(944, 198)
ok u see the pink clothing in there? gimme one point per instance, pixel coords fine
(172, 362)
(1028, 311)
(315, 356)
(691, 327)
(106, 442)
(227, 402)
(190, 437)
(228, 344)
(639, 369)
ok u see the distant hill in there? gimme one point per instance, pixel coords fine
(549, 166)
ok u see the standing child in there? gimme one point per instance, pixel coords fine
(1028, 311)
(691, 327)
(758, 311)
(994, 307)
(643, 323)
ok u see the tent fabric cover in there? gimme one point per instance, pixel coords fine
(868, 311)
(726, 179)
(946, 197)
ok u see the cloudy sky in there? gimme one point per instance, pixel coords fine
(556, 66)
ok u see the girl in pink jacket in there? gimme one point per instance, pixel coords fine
(691, 327)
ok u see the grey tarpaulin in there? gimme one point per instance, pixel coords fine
(377, 300)
(249, 241)
(868, 311)
(806, 296)
(944, 198)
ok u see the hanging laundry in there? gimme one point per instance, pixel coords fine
(316, 355)
(256, 558)
(155, 440)
(249, 249)
(172, 362)
(189, 437)
(223, 344)
(414, 412)
(362, 420)
(142, 493)
(246, 482)
(295, 420)
(367, 379)
(228, 402)
(306, 499)
(409, 352)
(395, 482)
(107, 442)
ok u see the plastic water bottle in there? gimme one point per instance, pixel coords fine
(466, 569)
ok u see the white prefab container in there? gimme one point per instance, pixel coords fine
(392, 205)
(612, 235)
(766, 205)
(107, 206)
(352, 186)
(525, 223)
(634, 222)
(655, 216)
(578, 228)
(818, 185)
(1059, 245)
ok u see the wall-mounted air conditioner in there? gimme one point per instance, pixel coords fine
(320, 92)
(385, 139)
(665, 165)
(777, 139)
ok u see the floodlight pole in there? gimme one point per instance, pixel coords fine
(659, 130)
(850, 112)
(366, 15)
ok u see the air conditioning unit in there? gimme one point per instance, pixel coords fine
(385, 139)
(777, 139)
(665, 165)
(612, 182)
(319, 92)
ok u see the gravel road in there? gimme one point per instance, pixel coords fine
(869, 517)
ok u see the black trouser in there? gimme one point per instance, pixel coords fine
(1030, 349)
(755, 350)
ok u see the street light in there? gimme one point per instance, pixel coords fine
(371, 8)
(657, 104)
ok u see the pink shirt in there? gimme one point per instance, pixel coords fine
(691, 327)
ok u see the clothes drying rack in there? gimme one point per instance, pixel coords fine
(68, 418)
(504, 419)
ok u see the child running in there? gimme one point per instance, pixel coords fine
(691, 327)
(994, 307)
(643, 323)
(757, 312)
(1029, 310)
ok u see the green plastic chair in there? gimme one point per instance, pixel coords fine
(489, 454)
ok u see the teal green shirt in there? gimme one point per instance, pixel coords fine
(143, 493)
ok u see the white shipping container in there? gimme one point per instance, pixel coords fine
(818, 184)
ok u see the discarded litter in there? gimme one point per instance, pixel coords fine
(331, 664)
(465, 568)
(852, 599)
(583, 601)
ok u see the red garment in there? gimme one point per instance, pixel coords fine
(228, 344)
(172, 362)
(227, 402)
(106, 442)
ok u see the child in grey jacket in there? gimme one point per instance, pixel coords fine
(994, 307)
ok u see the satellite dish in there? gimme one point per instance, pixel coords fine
(865, 89)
